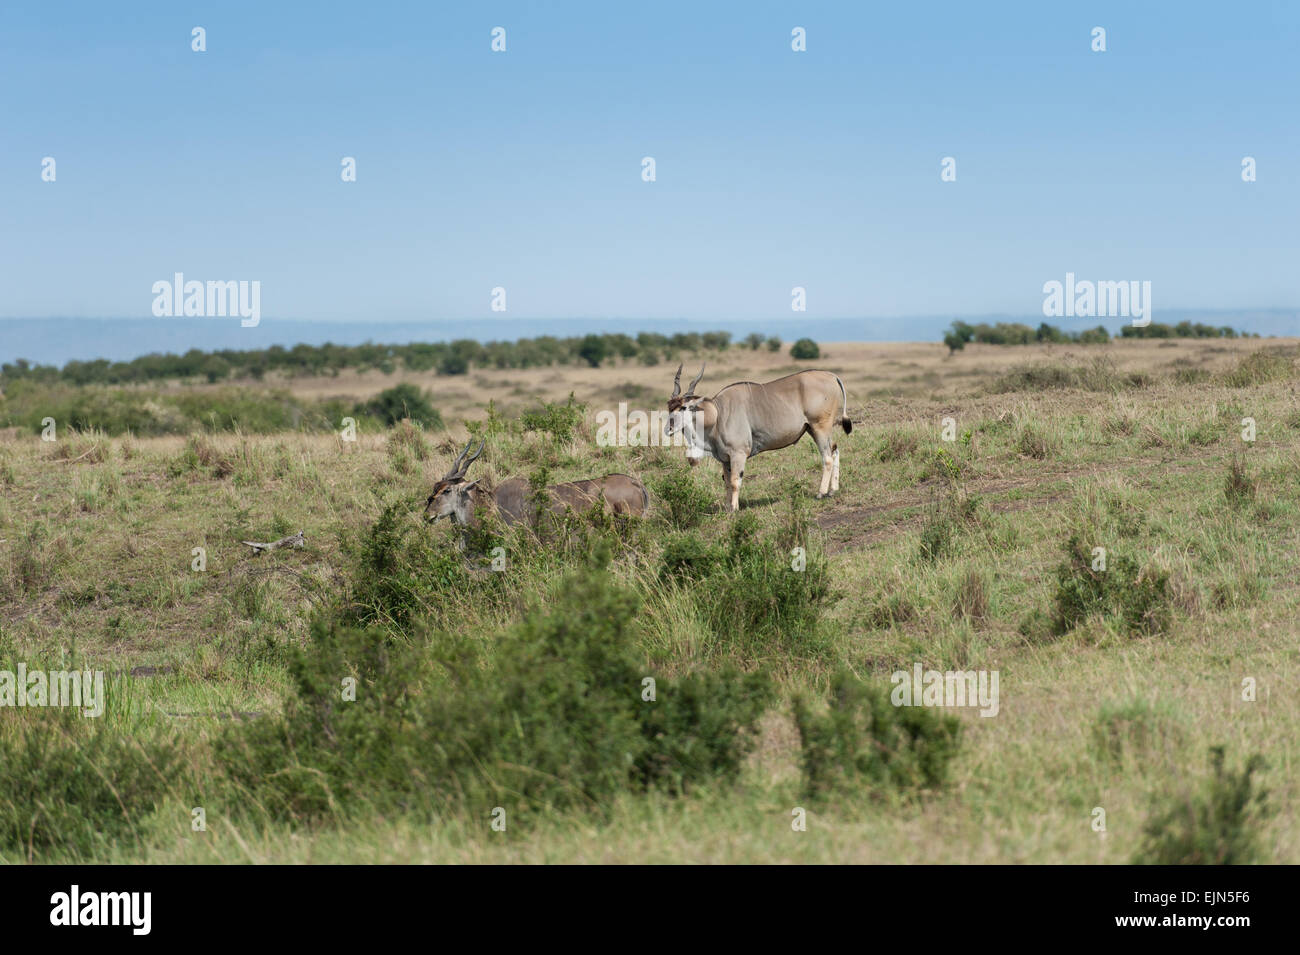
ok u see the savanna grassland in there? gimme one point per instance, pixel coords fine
(522, 689)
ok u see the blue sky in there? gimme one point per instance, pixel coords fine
(522, 169)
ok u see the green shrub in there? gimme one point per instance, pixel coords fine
(862, 741)
(686, 557)
(896, 445)
(406, 445)
(948, 515)
(1260, 367)
(680, 498)
(1139, 600)
(1034, 443)
(805, 349)
(200, 455)
(553, 716)
(1099, 374)
(938, 533)
(593, 350)
(750, 592)
(145, 413)
(403, 401)
(400, 577)
(561, 421)
(1219, 825)
(74, 787)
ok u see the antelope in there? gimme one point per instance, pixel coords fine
(747, 418)
(513, 500)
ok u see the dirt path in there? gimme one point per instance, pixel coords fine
(864, 532)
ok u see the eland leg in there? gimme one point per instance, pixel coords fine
(736, 474)
(828, 461)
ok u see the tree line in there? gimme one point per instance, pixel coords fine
(959, 334)
(446, 358)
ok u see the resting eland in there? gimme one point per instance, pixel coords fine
(746, 418)
(460, 499)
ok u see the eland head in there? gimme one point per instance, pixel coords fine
(452, 495)
(682, 410)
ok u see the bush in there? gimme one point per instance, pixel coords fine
(593, 350)
(561, 421)
(1139, 600)
(938, 533)
(144, 413)
(1036, 444)
(957, 336)
(403, 401)
(547, 714)
(948, 514)
(896, 445)
(399, 579)
(805, 349)
(681, 499)
(1217, 826)
(406, 442)
(1259, 368)
(686, 557)
(74, 786)
(1099, 374)
(861, 740)
(749, 591)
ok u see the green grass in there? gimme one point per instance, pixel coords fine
(971, 554)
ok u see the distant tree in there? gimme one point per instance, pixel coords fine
(403, 401)
(453, 363)
(593, 350)
(1050, 333)
(686, 342)
(958, 334)
(774, 343)
(215, 369)
(754, 340)
(624, 346)
(805, 349)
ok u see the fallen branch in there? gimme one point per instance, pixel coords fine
(77, 458)
(295, 540)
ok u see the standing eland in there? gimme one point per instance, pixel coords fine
(746, 418)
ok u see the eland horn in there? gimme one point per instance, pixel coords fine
(691, 389)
